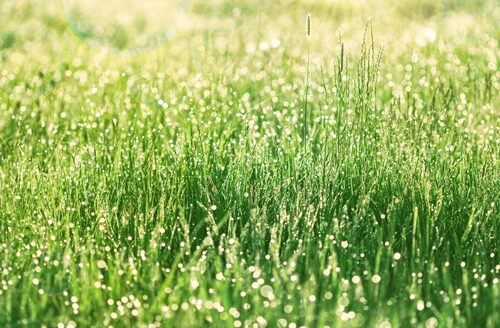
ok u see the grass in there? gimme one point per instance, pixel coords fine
(190, 186)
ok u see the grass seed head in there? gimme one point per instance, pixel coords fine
(308, 25)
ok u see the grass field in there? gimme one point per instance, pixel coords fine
(219, 164)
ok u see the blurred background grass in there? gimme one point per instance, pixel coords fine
(393, 21)
(220, 36)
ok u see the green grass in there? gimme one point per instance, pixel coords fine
(235, 177)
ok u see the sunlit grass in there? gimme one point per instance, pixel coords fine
(247, 173)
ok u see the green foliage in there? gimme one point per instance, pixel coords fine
(189, 186)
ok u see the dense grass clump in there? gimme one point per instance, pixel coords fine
(248, 174)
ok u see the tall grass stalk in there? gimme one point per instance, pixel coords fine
(306, 102)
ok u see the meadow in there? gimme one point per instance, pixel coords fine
(234, 164)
